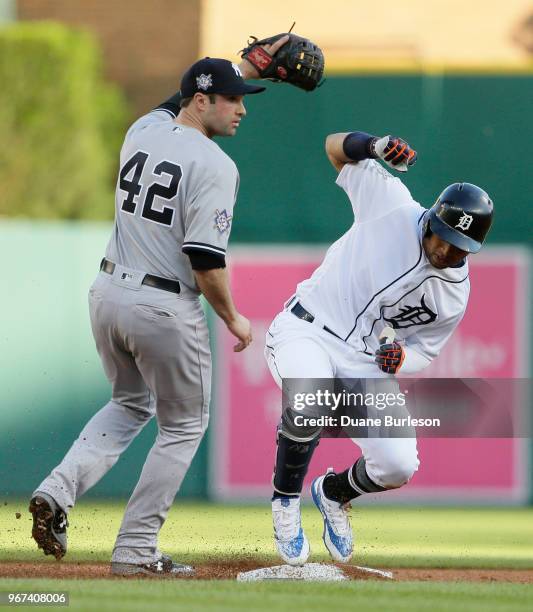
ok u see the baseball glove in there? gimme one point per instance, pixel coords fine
(298, 62)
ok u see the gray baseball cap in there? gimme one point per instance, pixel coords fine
(214, 75)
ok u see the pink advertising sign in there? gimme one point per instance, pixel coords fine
(491, 342)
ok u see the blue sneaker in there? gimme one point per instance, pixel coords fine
(292, 545)
(337, 534)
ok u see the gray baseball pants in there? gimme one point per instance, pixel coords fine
(154, 347)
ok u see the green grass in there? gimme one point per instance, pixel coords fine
(199, 596)
(385, 536)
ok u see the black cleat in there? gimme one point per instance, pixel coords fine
(49, 527)
(163, 568)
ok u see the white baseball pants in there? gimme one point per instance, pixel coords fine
(298, 349)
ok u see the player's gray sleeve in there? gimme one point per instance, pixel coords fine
(210, 214)
(159, 115)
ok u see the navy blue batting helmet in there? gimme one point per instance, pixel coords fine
(462, 215)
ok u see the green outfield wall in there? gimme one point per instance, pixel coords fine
(465, 128)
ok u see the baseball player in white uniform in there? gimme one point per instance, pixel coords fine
(399, 266)
(174, 208)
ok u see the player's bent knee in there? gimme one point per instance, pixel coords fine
(137, 407)
(204, 424)
(141, 413)
(176, 434)
(395, 474)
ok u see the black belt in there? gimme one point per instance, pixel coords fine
(299, 311)
(149, 279)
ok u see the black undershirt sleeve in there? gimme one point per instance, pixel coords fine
(200, 260)
(172, 104)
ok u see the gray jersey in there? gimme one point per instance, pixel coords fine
(175, 195)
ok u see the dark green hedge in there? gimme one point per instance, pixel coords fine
(61, 125)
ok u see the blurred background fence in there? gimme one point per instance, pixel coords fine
(73, 74)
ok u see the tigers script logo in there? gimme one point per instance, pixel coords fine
(412, 315)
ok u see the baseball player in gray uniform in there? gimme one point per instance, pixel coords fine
(417, 288)
(174, 207)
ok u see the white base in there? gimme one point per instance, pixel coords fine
(380, 573)
(310, 571)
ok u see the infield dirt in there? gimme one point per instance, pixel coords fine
(229, 570)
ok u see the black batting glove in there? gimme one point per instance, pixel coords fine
(389, 357)
(395, 152)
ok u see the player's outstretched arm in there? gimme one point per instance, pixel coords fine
(172, 104)
(250, 70)
(214, 285)
(353, 147)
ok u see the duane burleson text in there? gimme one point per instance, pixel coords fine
(345, 421)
